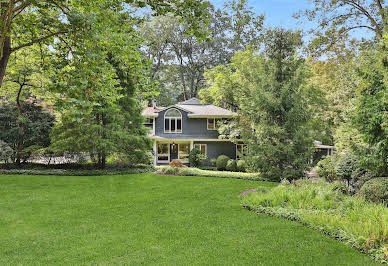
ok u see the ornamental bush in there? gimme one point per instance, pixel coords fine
(241, 166)
(231, 165)
(375, 190)
(221, 163)
(195, 158)
(176, 163)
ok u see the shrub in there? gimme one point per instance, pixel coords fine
(176, 163)
(196, 158)
(231, 165)
(326, 169)
(241, 166)
(346, 167)
(221, 163)
(222, 174)
(375, 190)
(213, 161)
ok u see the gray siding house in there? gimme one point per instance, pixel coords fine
(179, 128)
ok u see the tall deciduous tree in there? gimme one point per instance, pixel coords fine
(337, 18)
(179, 60)
(24, 81)
(370, 115)
(270, 92)
(100, 113)
(24, 23)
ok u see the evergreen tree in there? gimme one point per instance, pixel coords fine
(271, 94)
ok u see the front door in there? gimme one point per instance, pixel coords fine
(173, 151)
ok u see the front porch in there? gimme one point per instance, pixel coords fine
(166, 151)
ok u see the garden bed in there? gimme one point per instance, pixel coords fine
(361, 224)
(191, 171)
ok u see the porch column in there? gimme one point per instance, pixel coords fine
(155, 153)
(191, 145)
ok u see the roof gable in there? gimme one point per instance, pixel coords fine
(195, 109)
(192, 101)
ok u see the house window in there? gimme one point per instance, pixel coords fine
(163, 152)
(183, 152)
(241, 150)
(212, 123)
(201, 147)
(149, 123)
(173, 121)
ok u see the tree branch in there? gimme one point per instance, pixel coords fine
(367, 14)
(38, 40)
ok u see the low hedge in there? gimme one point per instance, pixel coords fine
(190, 171)
(77, 172)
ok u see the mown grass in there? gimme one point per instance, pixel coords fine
(150, 219)
(362, 224)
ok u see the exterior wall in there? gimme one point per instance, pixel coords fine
(217, 148)
(192, 128)
(213, 150)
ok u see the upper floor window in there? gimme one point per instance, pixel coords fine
(149, 123)
(212, 123)
(173, 121)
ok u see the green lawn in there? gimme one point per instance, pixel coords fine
(150, 219)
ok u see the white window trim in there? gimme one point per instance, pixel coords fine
(183, 154)
(163, 154)
(176, 122)
(242, 149)
(201, 144)
(215, 124)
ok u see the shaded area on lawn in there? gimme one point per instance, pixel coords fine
(150, 219)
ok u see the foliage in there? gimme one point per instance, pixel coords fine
(271, 94)
(241, 166)
(179, 60)
(327, 170)
(231, 165)
(74, 172)
(36, 125)
(346, 167)
(47, 24)
(323, 207)
(370, 113)
(213, 161)
(176, 163)
(336, 19)
(6, 152)
(195, 157)
(221, 163)
(375, 190)
(100, 111)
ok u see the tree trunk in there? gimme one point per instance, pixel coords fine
(20, 144)
(4, 58)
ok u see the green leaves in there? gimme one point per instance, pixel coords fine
(269, 91)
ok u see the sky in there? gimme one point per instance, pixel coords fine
(277, 12)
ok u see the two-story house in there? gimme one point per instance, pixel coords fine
(179, 128)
